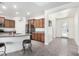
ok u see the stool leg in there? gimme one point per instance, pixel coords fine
(30, 47)
(5, 50)
(23, 48)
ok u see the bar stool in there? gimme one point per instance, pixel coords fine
(25, 42)
(3, 45)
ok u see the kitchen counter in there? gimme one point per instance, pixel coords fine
(13, 35)
(13, 42)
(39, 32)
(13, 38)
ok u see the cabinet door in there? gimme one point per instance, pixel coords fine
(40, 23)
(7, 24)
(37, 23)
(36, 36)
(12, 24)
(34, 23)
(39, 36)
(42, 37)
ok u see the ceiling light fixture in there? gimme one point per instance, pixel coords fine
(4, 7)
(28, 13)
(14, 6)
(41, 3)
(17, 12)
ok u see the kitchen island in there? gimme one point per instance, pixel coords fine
(13, 42)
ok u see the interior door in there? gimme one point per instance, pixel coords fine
(62, 28)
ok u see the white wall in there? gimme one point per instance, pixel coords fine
(76, 20)
(48, 30)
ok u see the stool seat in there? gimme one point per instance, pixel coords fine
(2, 44)
(27, 41)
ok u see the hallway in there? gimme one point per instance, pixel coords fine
(58, 47)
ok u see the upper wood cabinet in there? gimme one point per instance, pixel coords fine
(38, 23)
(6, 24)
(35, 23)
(12, 24)
(41, 21)
(9, 23)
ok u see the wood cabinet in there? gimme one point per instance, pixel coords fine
(42, 37)
(9, 23)
(6, 24)
(38, 23)
(35, 23)
(38, 36)
(12, 23)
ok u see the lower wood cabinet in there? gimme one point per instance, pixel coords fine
(42, 37)
(38, 36)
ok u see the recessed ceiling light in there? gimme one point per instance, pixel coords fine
(17, 12)
(4, 7)
(14, 6)
(28, 13)
(41, 3)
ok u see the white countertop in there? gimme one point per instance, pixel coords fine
(7, 29)
(14, 38)
(13, 35)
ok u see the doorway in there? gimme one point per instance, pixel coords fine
(62, 27)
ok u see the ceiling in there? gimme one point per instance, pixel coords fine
(26, 8)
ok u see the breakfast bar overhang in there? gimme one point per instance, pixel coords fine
(13, 42)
